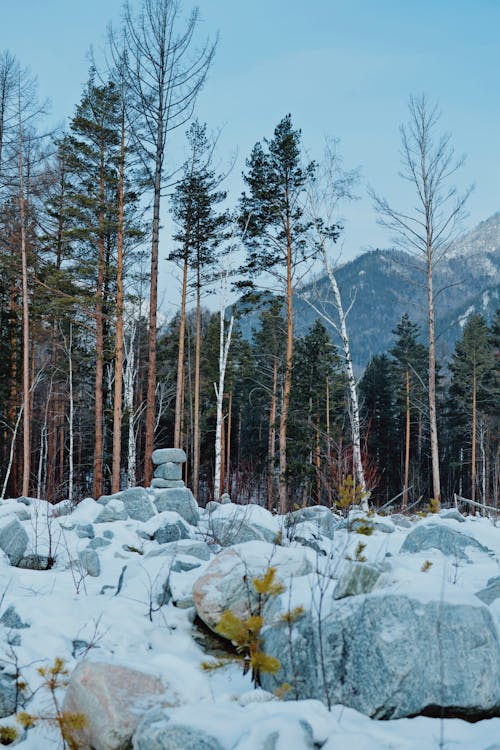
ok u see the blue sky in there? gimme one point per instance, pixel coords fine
(342, 67)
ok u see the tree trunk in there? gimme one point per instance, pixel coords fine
(271, 440)
(436, 484)
(196, 417)
(179, 391)
(26, 338)
(224, 344)
(474, 434)
(227, 484)
(99, 368)
(118, 381)
(407, 442)
(287, 384)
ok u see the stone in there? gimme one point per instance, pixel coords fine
(85, 531)
(169, 470)
(113, 698)
(392, 656)
(171, 532)
(491, 592)
(181, 501)
(358, 578)
(321, 516)
(436, 536)
(168, 455)
(10, 619)
(36, 562)
(114, 510)
(137, 503)
(399, 520)
(225, 498)
(13, 538)
(190, 547)
(89, 560)
(108, 534)
(237, 529)
(98, 543)
(155, 732)
(8, 695)
(164, 484)
(227, 580)
(212, 506)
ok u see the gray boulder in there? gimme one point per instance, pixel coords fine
(89, 561)
(491, 592)
(359, 578)
(114, 510)
(36, 562)
(169, 470)
(171, 532)
(180, 500)
(452, 513)
(8, 695)
(402, 521)
(137, 503)
(165, 484)
(236, 530)
(168, 455)
(392, 656)
(98, 543)
(438, 536)
(13, 538)
(318, 514)
(155, 732)
(85, 531)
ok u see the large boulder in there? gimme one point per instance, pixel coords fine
(169, 470)
(113, 699)
(492, 591)
(391, 656)
(359, 578)
(321, 516)
(137, 503)
(439, 536)
(114, 510)
(13, 538)
(180, 500)
(230, 531)
(168, 455)
(227, 580)
(155, 732)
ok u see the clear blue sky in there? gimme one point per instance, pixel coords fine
(341, 67)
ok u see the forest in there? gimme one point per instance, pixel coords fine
(93, 378)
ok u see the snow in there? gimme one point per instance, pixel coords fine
(63, 606)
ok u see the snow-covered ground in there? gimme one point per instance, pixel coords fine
(115, 617)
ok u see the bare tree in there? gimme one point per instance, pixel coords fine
(164, 74)
(331, 185)
(428, 164)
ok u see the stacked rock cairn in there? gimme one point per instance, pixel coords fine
(168, 468)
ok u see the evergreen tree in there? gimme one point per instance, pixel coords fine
(473, 396)
(274, 231)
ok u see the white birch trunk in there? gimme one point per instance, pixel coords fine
(128, 393)
(11, 452)
(219, 392)
(71, 416)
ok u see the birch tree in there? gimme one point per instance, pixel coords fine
(428, 163)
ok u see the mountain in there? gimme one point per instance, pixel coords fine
(382, 285)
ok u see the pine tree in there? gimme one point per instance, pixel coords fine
(274, 231)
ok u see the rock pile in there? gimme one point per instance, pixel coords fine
(168, 468)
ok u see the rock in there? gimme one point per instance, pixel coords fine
(13, 538)
(191, 547)
(168, 470)
(89, 560)
(10, 619)
(171, 532)
(386, 527)
(212, 506)
(114, 510)
(165, 484)
(113, 699)
(180, 500)
(358, 578)
(182, 566)
(322, 517)
(36, 562)
(435, 536)
(168, 455)
(98, 543)
(108, 534)
(8, 695)
(452, 513)
(490, 593)
(372, 657)
(85, 531)
(155, 732)
(225, 498)
(137, 503)
(236, 530)
(227, 580)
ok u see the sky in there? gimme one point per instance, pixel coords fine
(342, 68)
